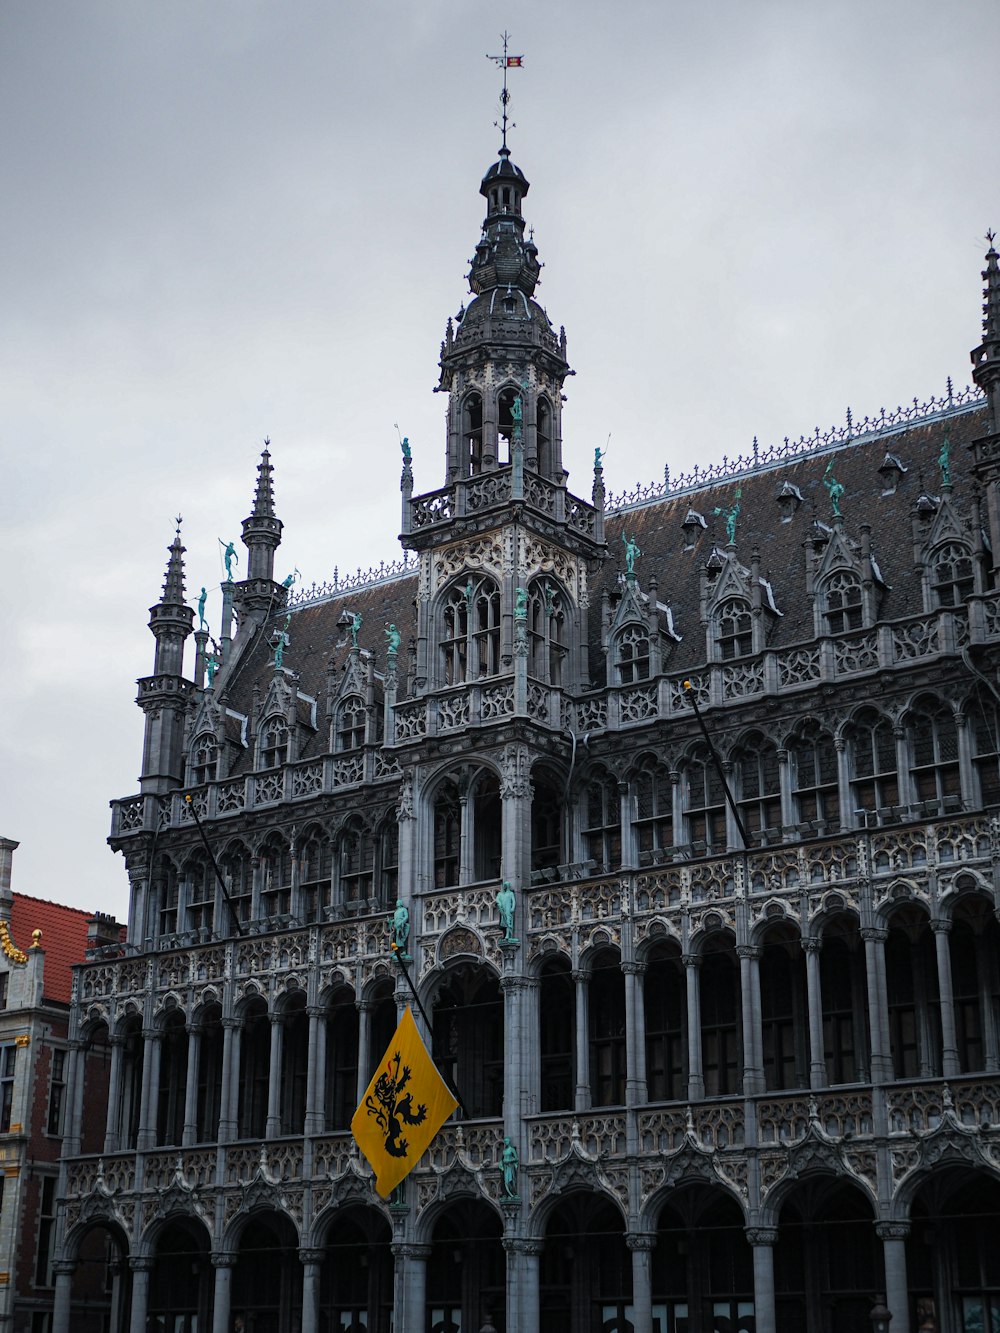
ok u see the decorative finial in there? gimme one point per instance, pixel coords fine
(179, 520)
(991, 237)
(505, 62)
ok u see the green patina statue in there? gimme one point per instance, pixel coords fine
(506, 903)
(290, 579)
(399, 929)
(944, 463)
(281, 642)
(230, 557)
(632, 552)
(404, 444)
(356, 620)
(731, 515)
(394, 639)
(835, 488)
(202, 599)
(521, 604)
(509, 1164)
(212, 663)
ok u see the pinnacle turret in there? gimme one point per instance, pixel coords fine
(263, 502)
(173, 582)
(986, 357)
(262, 530)
(171, 619)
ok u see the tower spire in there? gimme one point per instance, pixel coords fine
(263, 501)
(262, 530)
(986, 357)
(505, 62)
(163, 695)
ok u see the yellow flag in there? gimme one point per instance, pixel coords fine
(404, 1106)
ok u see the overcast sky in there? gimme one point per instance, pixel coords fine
(225, 219)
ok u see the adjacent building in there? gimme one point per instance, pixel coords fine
(733, 740)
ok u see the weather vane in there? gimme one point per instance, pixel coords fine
(505, 62)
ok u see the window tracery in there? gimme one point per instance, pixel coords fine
(602, 832)
(952, 580)
(632, 654)
(984, 718)
(933, 738)
(472, 433)
(654, 812)
(546, 631)
(350, 726)
(447, 835)
(204, 759)
(276, 878)
(815, 792)
(759, 785)
(842, 602)
(470, 643)
(874, 776)
(704, 804)
(274, 742)
(357, 864)
(733, 629)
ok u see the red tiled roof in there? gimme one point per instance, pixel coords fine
(64, 938)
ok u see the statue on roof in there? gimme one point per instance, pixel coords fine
(202, 599)
(230, 557)
(212, 663)
(393, 640)
(404, 444)
(731, 515)
(356, 619)
(835, 488)
(944, 463)
(281, 642)
(599, 457)
(291, 578)
(632, 551)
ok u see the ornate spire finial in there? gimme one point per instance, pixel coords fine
(173, 583)
(505, 62)
(263, 501)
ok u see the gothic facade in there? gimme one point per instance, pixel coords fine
(734, 741)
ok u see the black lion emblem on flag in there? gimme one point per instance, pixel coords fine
(391, 1111)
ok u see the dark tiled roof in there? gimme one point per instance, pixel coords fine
(64, 939)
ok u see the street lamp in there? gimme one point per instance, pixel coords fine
(880, 1316)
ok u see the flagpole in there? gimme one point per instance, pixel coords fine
(397, 953)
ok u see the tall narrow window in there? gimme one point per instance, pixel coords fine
(274, 743)
(237, 875)
(204, 760)
(759, 786)
(315, 870)
(632, 654)
(556, 1035)
(666, 1023)
(388, 862)
(357, 864)
(814, 777)
(546, 824)
(719, 978)
(602, 833)
(933, 739)
(472, 432)
(57, 1093)
(351, 716)
(486, 827)
(984, 718)
(705, 807)
(733, 629)
(874, 781)
(201, 895)
(543, 435)
(46, 1222)
(470, 642)
(607, 1032)
(169, 899)
(276, 885)
(546, 632)
(842, 607)
(8, 1065)
(506, 424)
(447, 835)
(951, 575)
(654, 812)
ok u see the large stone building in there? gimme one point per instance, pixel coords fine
(747, 1052)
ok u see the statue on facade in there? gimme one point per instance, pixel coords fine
(202, 599)
(281, 642)
(835, 489)
(506, 903)
(230, 557)
(399, 929)
(632, 552)
(944, 463)
(393, 640)
(212, 663)
(509, 1164)
(731, 515)
(521, 604)
(356, 619)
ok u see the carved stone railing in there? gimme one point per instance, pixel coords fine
(116, 1172)
(479, 1141)
(839, 1113)
(715, 1124)
(601, 1134)
(916, 1108)
(281, 1159)
(196, 1166)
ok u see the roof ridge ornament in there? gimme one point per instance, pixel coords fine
(505, 62)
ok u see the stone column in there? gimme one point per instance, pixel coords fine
(814, 993)
(986, 962)
(522, 1284)
(906, 793)
(410, 1286)
(893, 1237)
(73, 1119)
(582, 980)
(150, 1088)
(696, 1076)
(785, 779)
(635, 1036)
(62, 1270)
(878, 1017)
(273, 1129)
(949, 1041)
(763, 1240)
(228, 1109)
(141, 1266)
(116, 1268)
(466, 850)
(844, 797)
(315, 1121)
(753, 1041)
(364, 1008)
(642, 1244)
(112, 1133)
(224, 1265)
(966, 774)
(190, 1134)
(312, 1263)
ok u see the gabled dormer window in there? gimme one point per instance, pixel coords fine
(734, 629)
(632, 654)
(951, 575)
(351, 716)
(274, 743)
(842, 606)
(470, 644)
(204, 760)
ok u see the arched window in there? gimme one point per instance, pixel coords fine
(315, 870)
(546, 824)
(543, 435)
(546, 632)
(357, 865)
(470, 642)
(632, 654)
(602, 832)
(200, 876)
(842, 609)
(447, 835)
(844, 992)
(388, 861)
(759, 785)
(666, 1024)
(785, 1041)
(874, 780)
(472, 433)
(486, 827)
(984, 718)
(341, 1060)
(204, 759)
(933, 737)
(912, 997)
(556, 1035)
(169, 898)
(173, 1078)
(815, 796)
(704, 805)
(506, 423)
(654, 812)
(719, 980)
(351, 716)
(951, 575)
(237, 875)
(606, 1007)
(468, 1037)
(274, 742)
(276, 878)
(733, 629)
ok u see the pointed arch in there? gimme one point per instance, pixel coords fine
(547, 629)
(841, 602)
(951, 574)
(470, 630)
